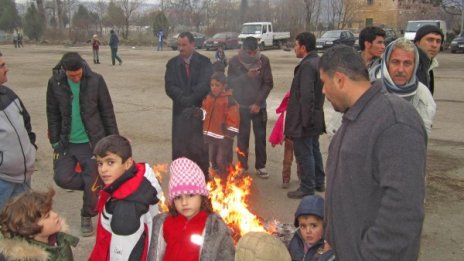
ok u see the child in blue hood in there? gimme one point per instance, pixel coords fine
(307, 243)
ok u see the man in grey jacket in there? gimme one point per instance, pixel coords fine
(376, 165)
(17, 142)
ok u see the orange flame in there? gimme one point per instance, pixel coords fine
(160, 170)
(239, 152)
(229, 200)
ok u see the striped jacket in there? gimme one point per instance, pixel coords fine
(221, 116)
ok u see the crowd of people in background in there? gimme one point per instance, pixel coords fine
(375, 186)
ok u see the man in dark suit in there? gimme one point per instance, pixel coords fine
(305, 117)
(187, 83)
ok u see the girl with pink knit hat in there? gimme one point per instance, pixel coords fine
(191, 230)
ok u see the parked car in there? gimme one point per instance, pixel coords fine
(199, 39)
(457, 45)
(331, 38)
(229, 40)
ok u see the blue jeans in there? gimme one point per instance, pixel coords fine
(308, 156)
(11, 189)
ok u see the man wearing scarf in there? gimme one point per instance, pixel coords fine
(397, 72)
(250, 78)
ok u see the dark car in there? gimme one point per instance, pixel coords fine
(229, 40)
(199, 39)
(457, 45)
(331, 38)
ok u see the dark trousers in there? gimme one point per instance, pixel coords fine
(114, 56)
(219, 151)
(187, 141)
(308, 156)
(88, 180)
(259, 121)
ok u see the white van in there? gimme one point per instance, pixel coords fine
(413, 26)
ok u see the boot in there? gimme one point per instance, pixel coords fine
(87, 226)
(98, 62)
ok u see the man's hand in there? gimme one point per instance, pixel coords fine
(254, 109)
(253, 72)
(193, 112)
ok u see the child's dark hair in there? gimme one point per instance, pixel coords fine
(20, 215)
(220, 77)
(115, 144)
(219, 66)
(206, 205)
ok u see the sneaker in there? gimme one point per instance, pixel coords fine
(298, 194)
(285, 185)
(87, 227)
(262, 173)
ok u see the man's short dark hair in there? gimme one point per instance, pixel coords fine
(220, 77)
(71, 61)
(189, 35)
(250, 43)
(111, 31)
(115, 144)
(308, 40)
(369, 34)
(344, 59)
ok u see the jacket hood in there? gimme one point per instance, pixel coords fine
(310, 205)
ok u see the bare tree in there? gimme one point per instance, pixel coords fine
(342, 12)
(100, 8)
(455, 7)
(128, 7)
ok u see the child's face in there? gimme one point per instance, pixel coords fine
(188, 205)
(51, 224)
(216, 87)
(111, 167)
(311, 228)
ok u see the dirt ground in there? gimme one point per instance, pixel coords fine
(143, 112)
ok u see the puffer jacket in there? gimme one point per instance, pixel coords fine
(18, 249)
(17, 141)
(296, 248)
(222, 117)
(95, 104)
(217, 244)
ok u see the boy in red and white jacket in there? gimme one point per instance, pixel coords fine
(127, 203)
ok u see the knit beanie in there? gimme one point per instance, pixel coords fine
(186, 178)
(425, 30)
(261, 246)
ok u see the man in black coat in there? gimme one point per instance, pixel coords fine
(305, 117)
(187, 81)
(79, 113)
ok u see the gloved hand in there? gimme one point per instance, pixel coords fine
(193, 112)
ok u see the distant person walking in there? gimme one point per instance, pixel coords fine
(160, 40)
(114, 43)
(95, 48)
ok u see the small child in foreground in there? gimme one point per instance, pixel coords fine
(191, 231)
(308, 243)
(33, 231)
(127, 203)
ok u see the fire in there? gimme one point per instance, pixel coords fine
(229, 200)
(239, 152)
(160, 170)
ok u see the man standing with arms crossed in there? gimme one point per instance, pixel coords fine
(187, 81)
(305, 117)
(250, 78)
(79, 113)
(374, 205)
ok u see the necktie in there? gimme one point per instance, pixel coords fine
(187, 70)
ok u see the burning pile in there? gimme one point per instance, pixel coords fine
(229, 199)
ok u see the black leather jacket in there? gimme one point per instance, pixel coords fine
(95, 105)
